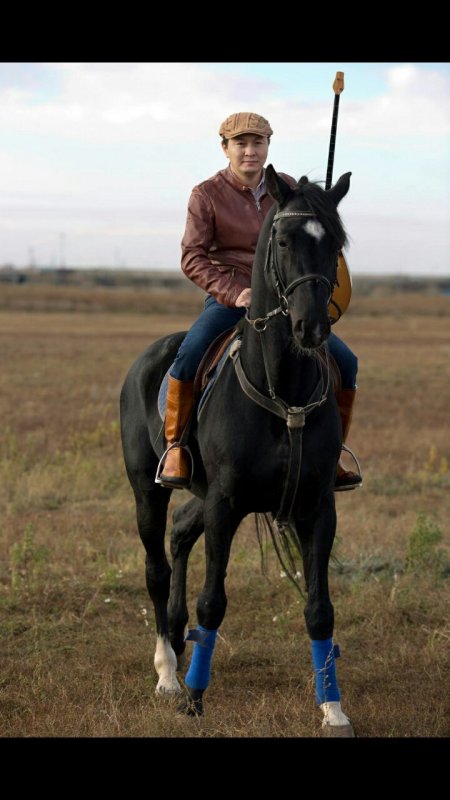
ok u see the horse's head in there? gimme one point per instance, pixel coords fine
(306, 237)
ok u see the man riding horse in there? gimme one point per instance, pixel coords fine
(225, 216)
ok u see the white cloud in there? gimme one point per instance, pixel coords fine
(177, 101)
(414, 103)
(133, 102)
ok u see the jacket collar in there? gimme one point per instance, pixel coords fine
(231, 178)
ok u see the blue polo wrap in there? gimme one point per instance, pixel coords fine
(199, 672)
(324, 655)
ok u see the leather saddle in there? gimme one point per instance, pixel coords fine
(211, 358)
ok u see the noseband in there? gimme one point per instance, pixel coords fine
(283, 291)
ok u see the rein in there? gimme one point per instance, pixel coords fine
(294, 416)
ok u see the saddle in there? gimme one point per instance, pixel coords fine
(211, 358)
(206, 371)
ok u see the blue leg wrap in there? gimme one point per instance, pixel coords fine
(324, 655)
(199, 672)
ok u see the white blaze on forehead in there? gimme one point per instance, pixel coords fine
(315, 229)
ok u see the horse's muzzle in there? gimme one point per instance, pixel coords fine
(310, 337)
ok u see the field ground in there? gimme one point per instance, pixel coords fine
(76, 623)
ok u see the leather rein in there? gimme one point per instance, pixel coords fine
(294, 416)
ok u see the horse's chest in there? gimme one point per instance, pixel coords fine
(252, 463)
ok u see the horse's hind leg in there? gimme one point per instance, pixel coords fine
(151, 512)
(188, 526)
(316, 534)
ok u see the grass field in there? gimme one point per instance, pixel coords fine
(76, 623)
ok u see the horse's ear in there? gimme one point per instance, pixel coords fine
(340, 188)
(276, 186)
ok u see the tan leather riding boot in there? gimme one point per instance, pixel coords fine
(346, 479)
(176, 473)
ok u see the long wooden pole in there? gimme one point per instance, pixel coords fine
(338, 87)
(343, 290)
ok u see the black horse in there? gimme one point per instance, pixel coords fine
(268, 441)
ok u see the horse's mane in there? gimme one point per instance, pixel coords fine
(320, 203)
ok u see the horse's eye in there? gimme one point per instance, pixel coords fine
(281, 243)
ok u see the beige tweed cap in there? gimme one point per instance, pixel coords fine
(244, 122)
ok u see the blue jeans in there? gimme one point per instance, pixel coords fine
(216, 318)
(345, 359)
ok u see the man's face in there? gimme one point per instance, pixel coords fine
(247, 154)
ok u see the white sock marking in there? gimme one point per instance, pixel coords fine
(333, 714)
(166, 666)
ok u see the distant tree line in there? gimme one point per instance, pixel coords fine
(169, 279)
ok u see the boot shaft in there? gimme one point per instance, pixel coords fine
(345, 400)
(180, 400)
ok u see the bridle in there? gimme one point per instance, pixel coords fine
(260, 323)
(272, 267)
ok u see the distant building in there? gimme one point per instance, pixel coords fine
(9, 274)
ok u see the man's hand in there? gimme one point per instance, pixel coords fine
(244, 299)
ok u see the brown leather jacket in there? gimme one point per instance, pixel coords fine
(222, 229)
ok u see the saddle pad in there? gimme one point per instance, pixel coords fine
(162, 395)
(213, 375)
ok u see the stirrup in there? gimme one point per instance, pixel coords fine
(161, 464)
(349, 487)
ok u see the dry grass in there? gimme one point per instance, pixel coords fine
(98, 300)
(76, 622)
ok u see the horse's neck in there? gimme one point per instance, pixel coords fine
(291, 374)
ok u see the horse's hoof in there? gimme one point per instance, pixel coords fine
(168, 688)
(192, 704)
(338, 731)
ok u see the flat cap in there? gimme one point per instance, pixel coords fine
(244, 122)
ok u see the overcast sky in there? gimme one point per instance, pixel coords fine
(97, 161)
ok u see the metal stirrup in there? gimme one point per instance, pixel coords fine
(351, 453)
(162, 459)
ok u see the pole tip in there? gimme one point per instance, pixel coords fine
(338, 85)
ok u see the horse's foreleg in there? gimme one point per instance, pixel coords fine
(151, 512)
(188, 526)
(316, 535)
(221, 522)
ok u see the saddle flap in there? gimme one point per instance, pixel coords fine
(211, 359)
(207, 371)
